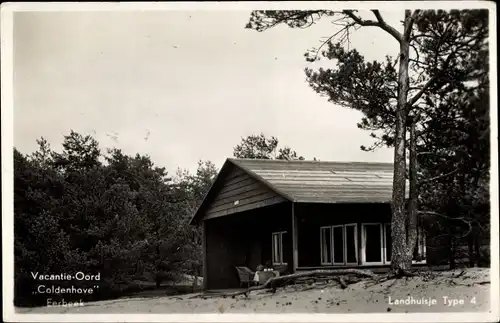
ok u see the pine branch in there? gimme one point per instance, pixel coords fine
(419, 94)
(462, 219)
(439, 177)
(379, 23)
(344, 29)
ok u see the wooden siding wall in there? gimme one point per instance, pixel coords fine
(239, 186)
(223, 251)
(244, 239)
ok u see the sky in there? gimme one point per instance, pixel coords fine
(181, 86)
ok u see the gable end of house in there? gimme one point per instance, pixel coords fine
(233, 191)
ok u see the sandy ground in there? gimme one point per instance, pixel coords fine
(470, 292)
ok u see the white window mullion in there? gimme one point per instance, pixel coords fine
(381, 227)
(386, 245)
(281, 247)
(344, 244)
(332, 246)
(274, 247)
(363, 244)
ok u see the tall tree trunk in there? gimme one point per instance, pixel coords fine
(400, 262)
(411, 229)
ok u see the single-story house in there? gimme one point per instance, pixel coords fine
(301, 214)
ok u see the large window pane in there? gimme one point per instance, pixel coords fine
(338, 245)
(373, 243)
(326, 243)
(278, 247)
(350, 233)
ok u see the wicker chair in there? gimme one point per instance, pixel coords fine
(245, 275)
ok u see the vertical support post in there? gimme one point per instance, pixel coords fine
(359, 242)
(205, 267)
(294, 240)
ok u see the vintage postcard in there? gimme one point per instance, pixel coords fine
(250, 161)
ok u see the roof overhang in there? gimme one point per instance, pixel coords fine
(338, 196)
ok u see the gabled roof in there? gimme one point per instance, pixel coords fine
(314, 181)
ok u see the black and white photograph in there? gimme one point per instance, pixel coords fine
(245, 161)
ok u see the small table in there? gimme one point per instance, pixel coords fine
(263, 276)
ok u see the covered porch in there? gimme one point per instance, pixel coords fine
(246, 239)
(299, 236)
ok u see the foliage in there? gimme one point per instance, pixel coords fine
(195, 187)
(261, 147)
(113, 214)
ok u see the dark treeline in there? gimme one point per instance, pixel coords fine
(117, 215)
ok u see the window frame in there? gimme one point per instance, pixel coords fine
(281, 260)
(355, 225)
(330, 229)
(333, 245)
(363, 244)
(332, 261)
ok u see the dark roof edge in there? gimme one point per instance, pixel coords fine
(259, 178)
(314, 161)
(194, 219)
